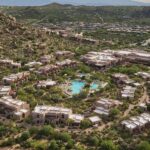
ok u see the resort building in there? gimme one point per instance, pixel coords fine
(143, 106)
(144, 75)
(10, 63)
(62, 33)
(120, 78)
(55, 115)
(46, 59)
(82, 39)
(33, 64)
(16, 78)
(89, 40)
(64, 54)
(137, 84)
(102, 111)
(95, 120)
(134, 56)
(109, 58)
(49, 114)
(16, 65)
(104, 105)
(66, 63)
(128, 92)
(136, 124)
(6, 62)
(76, 120)
(126, 28)
(48, 69)
(101, 60)
(5, 90)
(14, 108)
(45, 84)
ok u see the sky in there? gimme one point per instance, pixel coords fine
(144, 1)
(75, 2)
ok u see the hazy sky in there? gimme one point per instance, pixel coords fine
(78, 2)
(145, 1)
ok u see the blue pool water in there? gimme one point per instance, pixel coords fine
(94, 86)
(77, 86)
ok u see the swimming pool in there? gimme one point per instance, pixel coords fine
(94, 86)
(77, 86)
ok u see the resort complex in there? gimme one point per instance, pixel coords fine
(74, 79)
(43, 114)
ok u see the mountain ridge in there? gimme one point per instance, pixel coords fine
(74, 2)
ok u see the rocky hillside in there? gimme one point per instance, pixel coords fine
(16, 39)
(24, 42)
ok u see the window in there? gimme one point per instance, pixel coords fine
(23, 115)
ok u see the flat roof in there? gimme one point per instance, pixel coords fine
(137, 121)
(8, 100)
(76, 117)
(95, 119)
(5, 88)
(50, 109)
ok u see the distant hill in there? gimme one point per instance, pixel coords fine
(103, 2)
(74, 2)
(58, 13)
